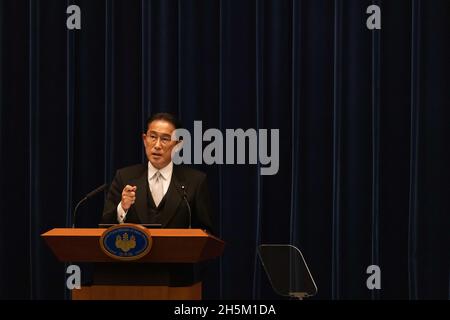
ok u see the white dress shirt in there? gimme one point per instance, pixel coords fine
(166, 174)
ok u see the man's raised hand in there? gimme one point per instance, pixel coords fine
(128, 197)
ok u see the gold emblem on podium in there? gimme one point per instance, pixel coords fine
(124, 243)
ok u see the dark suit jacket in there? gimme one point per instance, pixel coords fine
(175, 213)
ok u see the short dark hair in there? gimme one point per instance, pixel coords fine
(166, 117)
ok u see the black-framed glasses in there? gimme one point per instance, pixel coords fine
(153, 138)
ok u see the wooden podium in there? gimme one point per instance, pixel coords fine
(169, 271)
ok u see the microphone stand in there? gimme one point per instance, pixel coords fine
(75, 211)
(187, 204)
(88, 196)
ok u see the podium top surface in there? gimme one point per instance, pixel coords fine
(169, 245)
(97, 232)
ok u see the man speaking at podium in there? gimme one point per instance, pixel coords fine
(159, 192)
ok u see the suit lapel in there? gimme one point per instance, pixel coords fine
(173, 198)
(140, 204)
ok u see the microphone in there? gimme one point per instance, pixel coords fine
(183, 188)
(88, 196)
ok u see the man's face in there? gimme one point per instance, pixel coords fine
(157, 142)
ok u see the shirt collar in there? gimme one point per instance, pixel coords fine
(166, 172)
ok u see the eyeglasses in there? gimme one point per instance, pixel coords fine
(153, 138)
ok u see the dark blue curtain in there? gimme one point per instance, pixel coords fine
(363, 118)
